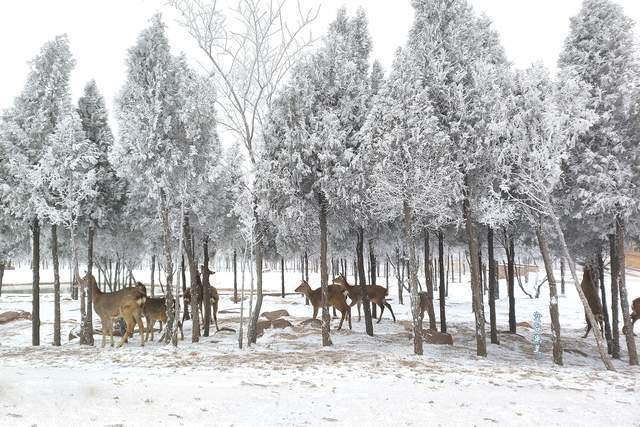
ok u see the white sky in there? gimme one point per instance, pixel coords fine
(101, 31)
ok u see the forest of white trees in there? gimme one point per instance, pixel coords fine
(281, 147)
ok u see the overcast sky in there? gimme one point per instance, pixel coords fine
(101, 31)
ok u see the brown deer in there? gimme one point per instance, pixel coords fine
(155, 310)
(215, 298)
(635, 314)
(377, 295)
(425, 303)
(127, 303)
(337, 299)
(591, 293)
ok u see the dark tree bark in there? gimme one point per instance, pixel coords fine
(429, 283)
(363, 282)
(324, 279)
(282, 275)
(35, 290)
(492, 288)
(170, 335)
(206, 289)
(252, 333)
(605, 310)
(56, 285)
(153, 271)
(399, 278)
(442, 288)
(372, 279)
(622, 288)
(478, 304)
(615, 335)
(235, 277)
(2, 267)
(553, 296)
(562, 276)
(413, 280)
(585, 304)
(185, 314)
(87, 334)
(306, 274)
(196, 291)
(511, 284)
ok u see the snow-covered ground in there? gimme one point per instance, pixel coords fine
(289, 379)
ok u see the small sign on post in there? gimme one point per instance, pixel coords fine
(537, 328)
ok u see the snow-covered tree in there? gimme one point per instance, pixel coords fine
(413, 175)
(456, 51)
(168, 139)
(312, 132)
(24, 132)
(600, 49)
(66, 174)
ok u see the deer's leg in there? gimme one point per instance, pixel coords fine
(141, 329)
(315, 312)
(104, 331)
(129, 320)
(111, 330)
(391, 310)
(335, 316)
(381, 311)
(588, 327)
(349, 314)
(343, 314)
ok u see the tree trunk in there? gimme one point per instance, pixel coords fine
(168, 268)
(400, 284)
(196, 292)
(306, 275)
(282, 275)
(615, 338)
(562, 276)
(605, 310)
(442, 287)
(35, 266)
(206, 290)
(324, 279)
(86, 336)
(56, 285)
(478, 304)
(585, 303)
(622, 289)
(413, 279)
(368, 317)
(153, 272)
(429, 283)
(553, 295)
(511, 284)
(235, 277)
(372, 279)
(2, 267)
(252, 335)
(492, 287)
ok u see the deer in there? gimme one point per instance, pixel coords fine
(377, 295)
(635, 315)
(337, 298)
(127, 303)
(155, 310)
(213, 295)
(591, 294)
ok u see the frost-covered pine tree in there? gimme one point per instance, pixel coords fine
(312, 127)
(457, 51)
(66, 176)
(412, 172)
(25, 129)
(109, 189)
(167, 135)
(600, 50)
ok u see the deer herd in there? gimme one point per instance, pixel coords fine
(132, 304)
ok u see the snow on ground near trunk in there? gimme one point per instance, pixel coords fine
(288, 378)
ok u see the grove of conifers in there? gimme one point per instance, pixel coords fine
(327, 157)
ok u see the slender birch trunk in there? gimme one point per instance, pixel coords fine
(413, 279)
